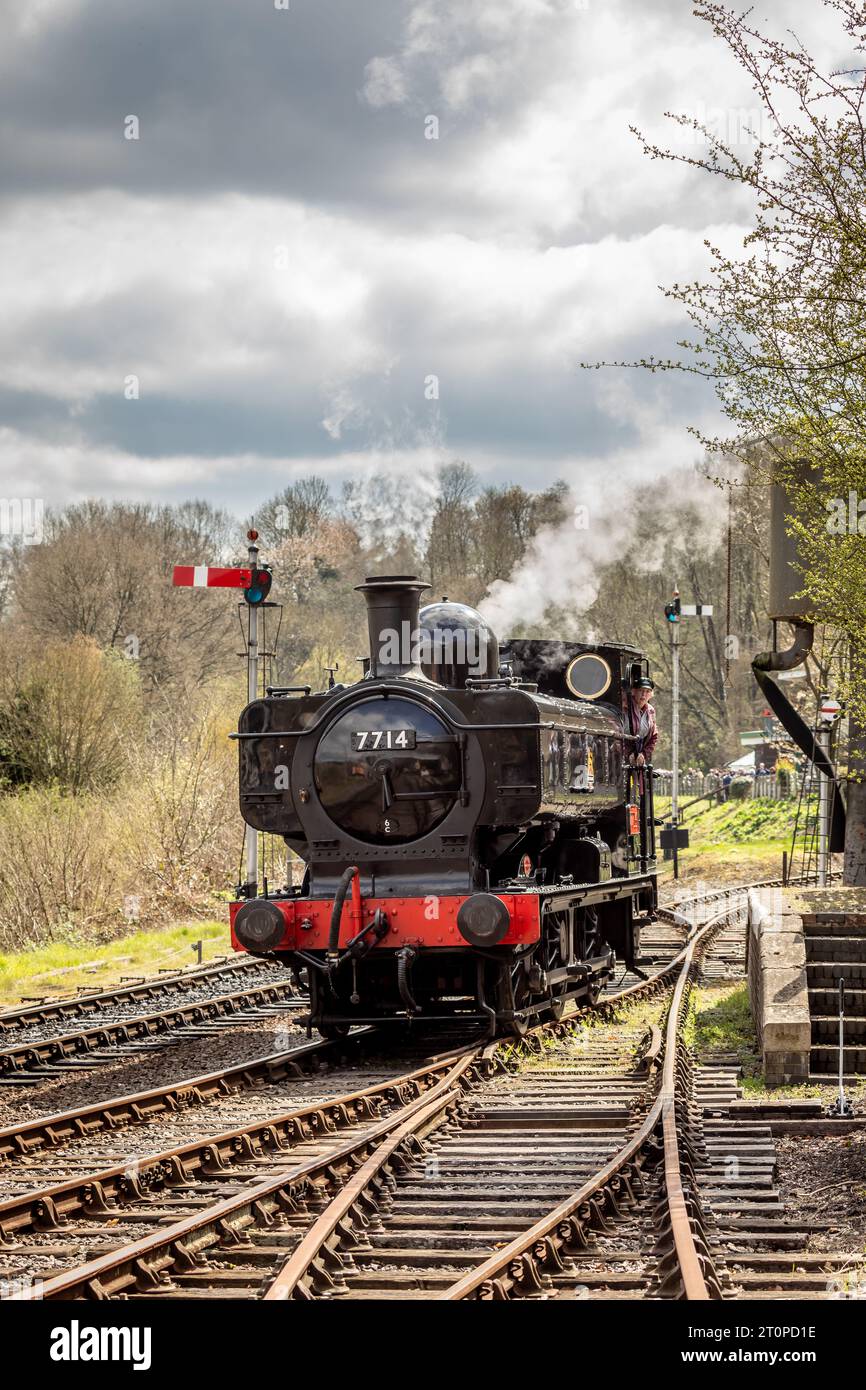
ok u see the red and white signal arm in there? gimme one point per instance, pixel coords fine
(829, 709)
(211, 577)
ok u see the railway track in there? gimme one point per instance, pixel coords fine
(683, 1204)
(637, 1227)
(29, 1059)
(87, 1003)
(581, 1162)
(30, 1145)
(203, 1198)
(198, 1185)
(31, 1141)
(641, 1152)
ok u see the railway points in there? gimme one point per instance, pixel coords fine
(408, 1187)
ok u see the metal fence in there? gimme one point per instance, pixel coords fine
(770, 786)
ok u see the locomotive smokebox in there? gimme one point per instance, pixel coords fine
(393, 604)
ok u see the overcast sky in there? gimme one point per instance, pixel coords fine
(283, 259)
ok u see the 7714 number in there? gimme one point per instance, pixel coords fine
(373, 740)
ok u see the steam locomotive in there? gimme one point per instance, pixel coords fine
(477, 846)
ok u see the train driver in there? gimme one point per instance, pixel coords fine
(641, 718)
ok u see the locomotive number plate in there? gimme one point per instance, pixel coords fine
(377, 740)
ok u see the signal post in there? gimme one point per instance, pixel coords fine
(255, 580)
(675, 837)
(829, 711)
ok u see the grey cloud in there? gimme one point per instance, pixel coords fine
(238, 375)
(520, 410)
(229, 96)
(245, 98)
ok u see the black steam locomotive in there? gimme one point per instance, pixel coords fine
(477, 846)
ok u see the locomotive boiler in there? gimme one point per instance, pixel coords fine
(476, 846)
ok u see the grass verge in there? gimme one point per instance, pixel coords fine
(734, 841)
(721, 1021)
(63, 967)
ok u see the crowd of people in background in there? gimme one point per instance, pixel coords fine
(718, 780)
(727, 783)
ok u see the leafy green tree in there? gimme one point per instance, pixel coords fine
(779, 325)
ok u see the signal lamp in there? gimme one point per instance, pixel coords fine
(260, 587)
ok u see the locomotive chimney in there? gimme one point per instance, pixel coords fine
(393, 603)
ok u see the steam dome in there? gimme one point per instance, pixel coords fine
(456, 645)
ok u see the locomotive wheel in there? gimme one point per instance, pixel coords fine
(518, 1002)
(558, 1001)
(333, 1031)
(556, 946)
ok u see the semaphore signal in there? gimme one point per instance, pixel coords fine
(256, 583)
(210, 577)
(255, 580)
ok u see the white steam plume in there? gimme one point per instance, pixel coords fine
(392, 491)
(564, 564)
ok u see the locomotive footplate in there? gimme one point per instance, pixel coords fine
(611, 890)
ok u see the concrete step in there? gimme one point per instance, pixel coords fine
(834, 924)
(826, 1059)
(836, 948)
(825, 1000)
(825, 1030)
(826, 974)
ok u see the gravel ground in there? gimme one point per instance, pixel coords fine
(824, 1180)
(136, 1142)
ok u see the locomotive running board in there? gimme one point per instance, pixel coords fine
(611, 890)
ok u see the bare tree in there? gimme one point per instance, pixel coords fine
(450, 544)
(105, 571)
(296, 511)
